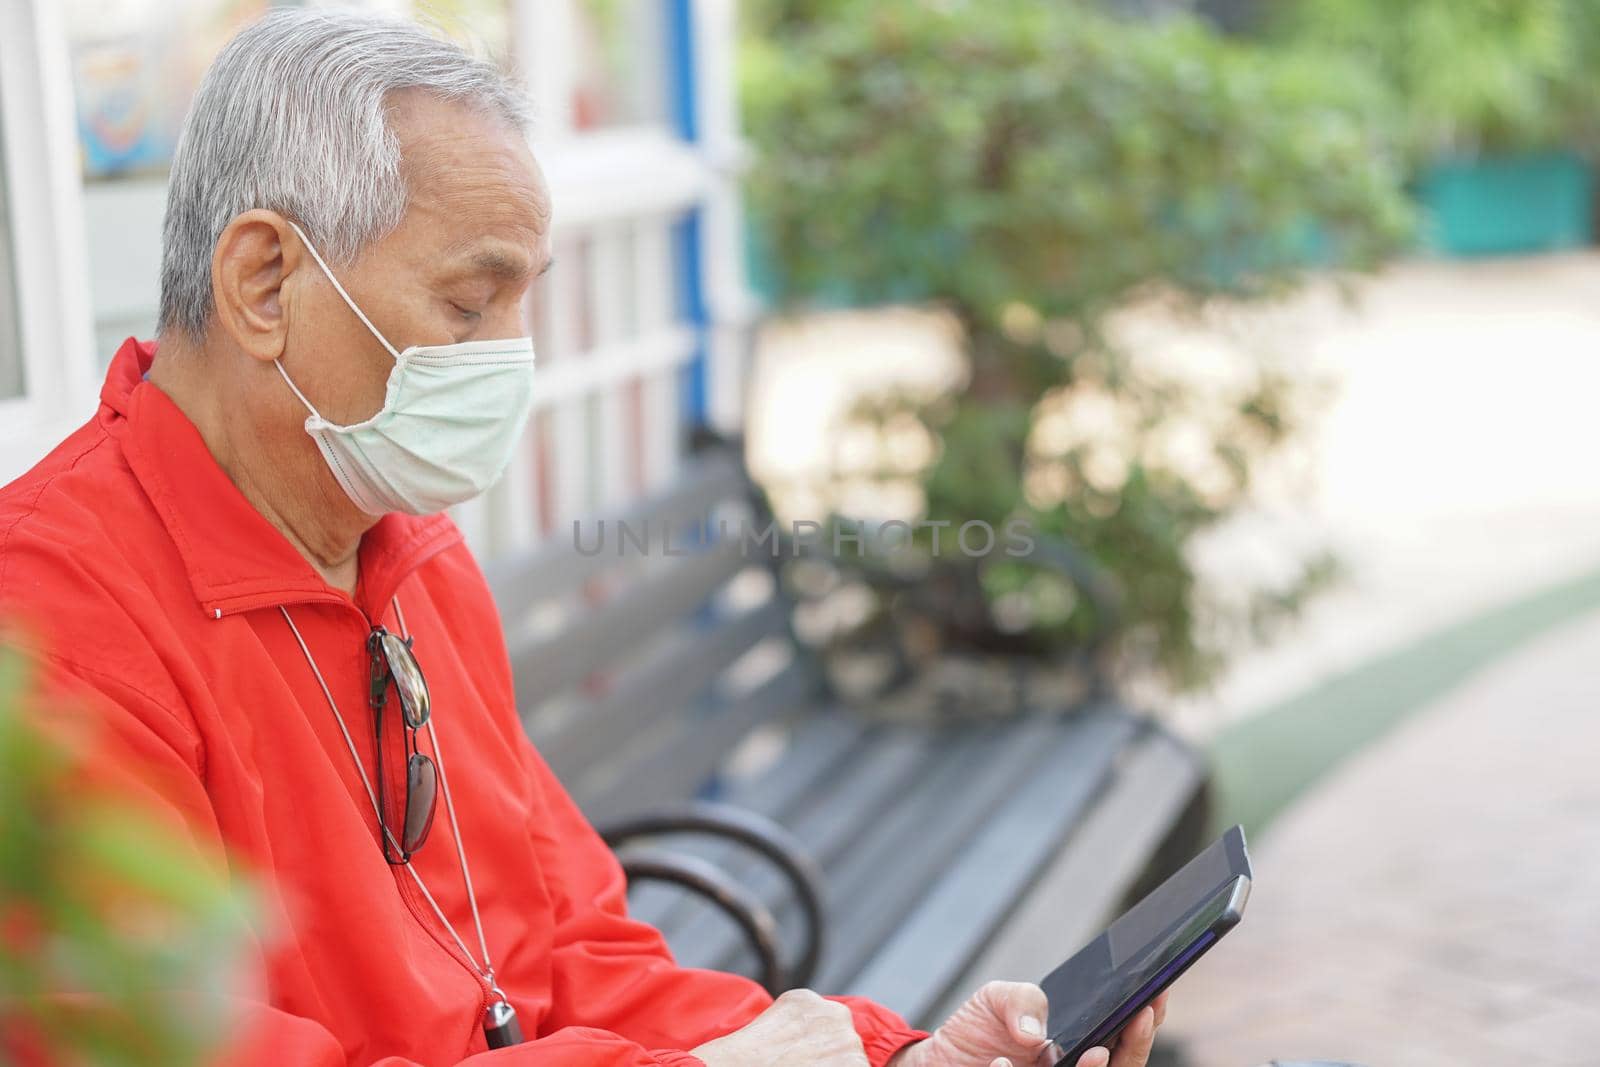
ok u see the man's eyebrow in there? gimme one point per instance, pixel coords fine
(503, 264)
(511, 268)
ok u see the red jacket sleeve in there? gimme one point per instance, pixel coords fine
(129, 751)
(616, 974)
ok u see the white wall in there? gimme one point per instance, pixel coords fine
(123, 222)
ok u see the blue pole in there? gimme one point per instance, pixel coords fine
(689, 233)
(680, 31)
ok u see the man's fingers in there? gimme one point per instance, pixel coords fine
(1095, 1057)
(1025, 1009)
(1133, 1045)
(1160, 1005)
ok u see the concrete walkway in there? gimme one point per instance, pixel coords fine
(1436, 901)
(1451, 471)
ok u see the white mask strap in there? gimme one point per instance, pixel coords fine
(279, 364)
(365, 321)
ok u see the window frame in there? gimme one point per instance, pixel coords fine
(45, 215)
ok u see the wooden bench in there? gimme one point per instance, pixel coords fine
(662, 678)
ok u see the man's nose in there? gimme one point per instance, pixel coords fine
(513, 321)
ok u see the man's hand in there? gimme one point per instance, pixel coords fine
(800, 1027)
(1003, 1026)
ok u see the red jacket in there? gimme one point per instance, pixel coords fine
(155, 589)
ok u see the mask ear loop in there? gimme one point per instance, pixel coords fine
(352, 304)
(290, 382)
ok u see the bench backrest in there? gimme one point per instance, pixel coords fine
(647, 647)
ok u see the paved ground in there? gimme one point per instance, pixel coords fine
(1437, 900)
(1453, 470)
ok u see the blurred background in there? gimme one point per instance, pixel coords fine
(1287, 314)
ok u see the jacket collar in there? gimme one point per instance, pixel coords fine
(236, 560)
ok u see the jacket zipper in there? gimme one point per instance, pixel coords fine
(427, 920)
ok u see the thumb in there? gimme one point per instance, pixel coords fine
(1024, 1009)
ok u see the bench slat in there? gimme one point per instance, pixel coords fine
(836, 820)
(902, 856)
(678, 769)
(675, 679)
(934, 943)
(917, 823)
(1083, 886)
(841, 811)
(546, 667)
(815, 746)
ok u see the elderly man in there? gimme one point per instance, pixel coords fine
(241, 559)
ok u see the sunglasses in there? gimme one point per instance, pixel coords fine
(393, 664)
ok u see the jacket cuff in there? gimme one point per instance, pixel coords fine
(881, 1046)
(883, 1033)
(671, 1057)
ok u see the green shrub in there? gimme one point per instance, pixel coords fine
(1032, 167)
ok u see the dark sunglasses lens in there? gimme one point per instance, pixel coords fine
(408, 681)
(422, 795)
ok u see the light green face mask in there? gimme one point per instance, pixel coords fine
(452, 416)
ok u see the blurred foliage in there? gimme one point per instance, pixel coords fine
(116, 947)
(1468, 77)
(1033, 167)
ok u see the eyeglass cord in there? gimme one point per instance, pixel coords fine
(486, 970)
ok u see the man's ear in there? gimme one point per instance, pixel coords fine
(251, 268)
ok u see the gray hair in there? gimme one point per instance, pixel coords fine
(292, 116)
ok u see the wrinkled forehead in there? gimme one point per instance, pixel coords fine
(467, 173)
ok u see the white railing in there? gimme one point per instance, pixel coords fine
(609, 422)
(612, 349)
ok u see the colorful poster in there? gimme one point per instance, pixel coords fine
(135, 65)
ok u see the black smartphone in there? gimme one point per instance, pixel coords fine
(1095, 993)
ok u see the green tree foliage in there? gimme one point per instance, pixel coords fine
(1468, 77)
(116, 948)
(1032, 167)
